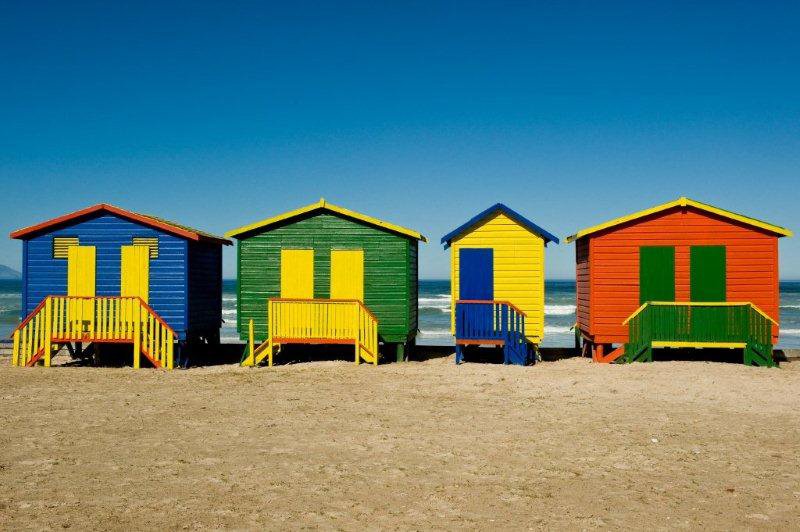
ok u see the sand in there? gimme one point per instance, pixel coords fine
(421, 445)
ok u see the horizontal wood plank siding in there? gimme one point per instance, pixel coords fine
(205, 287)
(386, 263)
(413, 285)
(752, 264)
(108, 232)
(582, 283)
(518, 267)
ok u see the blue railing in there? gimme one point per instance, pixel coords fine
(493, 323)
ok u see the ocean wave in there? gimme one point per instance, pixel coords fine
(441, 303)
(559, 310)
(790, 332)
(229, 312)
(791, 306)
(435, 332)
(557, 329)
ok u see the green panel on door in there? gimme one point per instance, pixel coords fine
(656, 273)
(707, 272)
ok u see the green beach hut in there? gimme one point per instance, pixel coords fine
(323, 274)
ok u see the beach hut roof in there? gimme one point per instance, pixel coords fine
(322, 205)
(145, 219)
(683, 202)
(514, 215)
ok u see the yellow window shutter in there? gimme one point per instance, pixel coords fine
(61, 245)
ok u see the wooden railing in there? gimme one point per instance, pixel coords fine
(499, 322)
(700, 324)
(62, 319)
(318, 321)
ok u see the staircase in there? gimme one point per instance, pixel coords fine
(316, 321)
(492, 323)
(60, 320)
(700, 325)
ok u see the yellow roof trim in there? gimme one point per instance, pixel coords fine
(682, 202)
(322, 204)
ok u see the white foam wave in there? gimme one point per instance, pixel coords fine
(229, 312)
(557, 329)
(435, 332)
(559, 310)
(790, 332)
(229, 298)
(791, 306)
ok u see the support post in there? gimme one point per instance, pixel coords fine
(401, 352)
(137, 337)
(15, 349)
(269, 353)
(170, 354)
(251, 356)
(358, 355)
(597, 353)
(459, 353)
(48, 332)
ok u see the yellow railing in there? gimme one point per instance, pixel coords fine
(61, 319)
(318, 321)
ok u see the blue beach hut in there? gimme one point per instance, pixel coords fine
(107, 275)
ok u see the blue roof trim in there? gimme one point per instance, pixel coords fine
(514, 215)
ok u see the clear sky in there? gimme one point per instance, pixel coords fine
(217, 114)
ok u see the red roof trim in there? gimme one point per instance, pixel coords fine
(146, 220)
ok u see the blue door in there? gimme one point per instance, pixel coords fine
(476, 274)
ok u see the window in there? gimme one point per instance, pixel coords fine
(150, 242)
(61, 244)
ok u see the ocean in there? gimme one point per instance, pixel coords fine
(434, 312)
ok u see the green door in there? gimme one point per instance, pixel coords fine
(707, 273)
(707, 283)
(656, 273)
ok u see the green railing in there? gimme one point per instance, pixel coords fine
(700, 324)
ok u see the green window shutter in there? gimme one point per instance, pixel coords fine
(656, 273)
(707, 272)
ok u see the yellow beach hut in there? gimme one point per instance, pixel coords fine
(497, 283)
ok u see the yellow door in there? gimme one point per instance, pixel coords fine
(135, 272)
(81, 282)
(347, 274)
(297, 273)
(80, 270)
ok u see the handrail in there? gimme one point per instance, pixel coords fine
(44, 300)
(30, 316)
(64, 318)
(700, 304)
(295, 320)
(495, 302)
(323, 300)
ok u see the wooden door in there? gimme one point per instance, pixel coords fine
(347, 274)
(297, 273)
(656, 273)
(476, 274)
(135, 272)
(81, 262)
(707, 273)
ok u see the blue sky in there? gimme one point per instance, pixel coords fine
(217, 114)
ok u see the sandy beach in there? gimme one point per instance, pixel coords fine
(420, 445)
